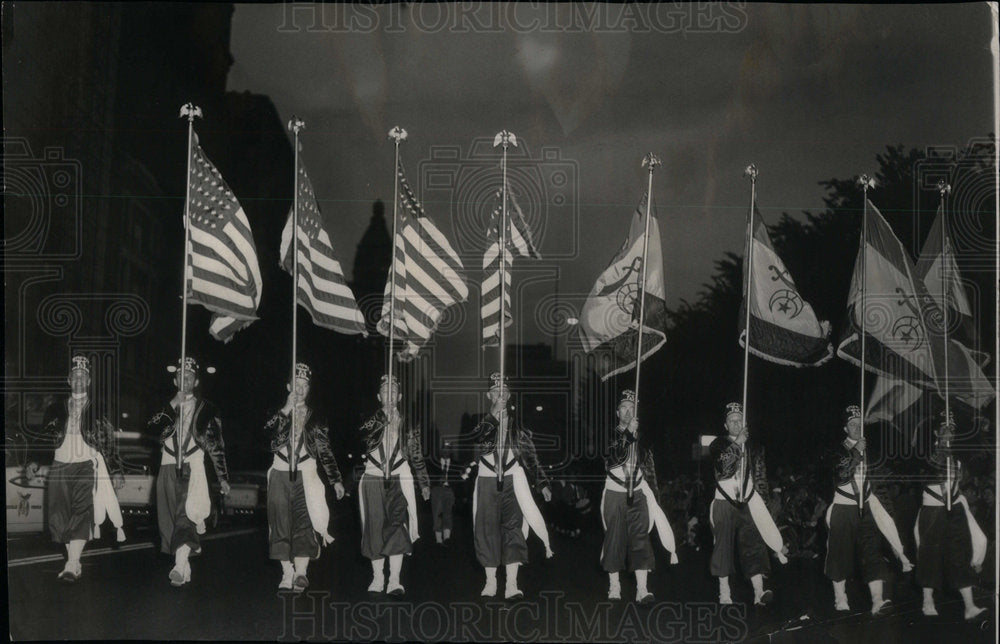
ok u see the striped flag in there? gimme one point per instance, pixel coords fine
(223, 273)
(519, 240)
(321, 288)
(426, 270)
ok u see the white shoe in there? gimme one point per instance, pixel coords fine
(615, 591)
(512, 592)
(976, 612)
(286, 582)
(726, 600)
(377, 585)
(879, 607)
(929, 610)
(842, 606)
(180, 576)
(490, 589)
(70, 574)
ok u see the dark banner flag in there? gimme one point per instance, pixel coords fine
(783, 327)
(609, 319)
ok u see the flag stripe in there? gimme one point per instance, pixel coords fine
(425, 274)
(224, 274)
(321, 287)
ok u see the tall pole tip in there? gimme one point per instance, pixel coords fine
(651, 161)
(505, 137)
(295, 124)
(191, 111)
(398, 134)
(866, 182)
(750, 172)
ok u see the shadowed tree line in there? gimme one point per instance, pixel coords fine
(798, 412)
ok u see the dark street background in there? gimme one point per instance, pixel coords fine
(233, 595)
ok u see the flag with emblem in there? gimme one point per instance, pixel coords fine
(223, 273)
(520, 241)
(783, 327)
(937, 273)
(897, 311)
(609, 318)
(322, 289)
(426, 275)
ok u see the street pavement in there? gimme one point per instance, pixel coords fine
(124, 593)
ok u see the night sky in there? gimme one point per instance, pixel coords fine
(805, 92)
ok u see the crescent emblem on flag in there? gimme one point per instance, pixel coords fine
(626, 274)
(787, 302)
(907, 330)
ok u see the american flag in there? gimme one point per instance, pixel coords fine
(222, 269)
(321, 288)
(427, 275)
(519, 240)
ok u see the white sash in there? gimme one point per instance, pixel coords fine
(533, 518)
(409, 493)
(315, 493)
(766, 526)
(888, 529)
(657, 518)
(885, 525)
(106, 501)
(198, 505)
(979, 541)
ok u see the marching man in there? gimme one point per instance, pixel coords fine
(740, 520)
(855, 519)
(502, 505)
(386, 491)
(296, 498)
(950, 544)
(190, 430)
(443, 494)
(627, 523)
(79, 491)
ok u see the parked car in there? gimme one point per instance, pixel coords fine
(26, 496)
(137, 498)
(247, 495)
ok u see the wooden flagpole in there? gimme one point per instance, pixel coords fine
(944, 189)
(295, 125)
(650, 161)
(192, 112)
(506, 138)
(397, 135)
(865, 182)
(751, 171)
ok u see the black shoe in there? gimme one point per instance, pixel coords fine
(766, 598)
